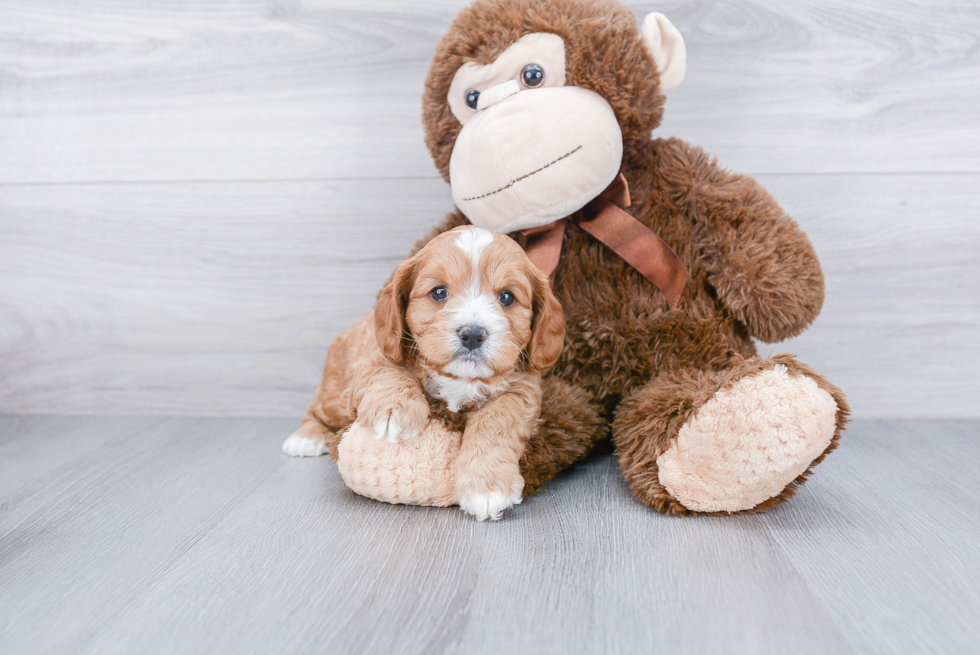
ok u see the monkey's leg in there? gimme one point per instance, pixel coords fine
(569, 427)
(739, 440)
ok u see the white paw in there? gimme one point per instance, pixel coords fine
(490, 505)
(299, 446)
(388, 429)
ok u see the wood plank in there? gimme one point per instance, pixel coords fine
(202, 538)
(102, 91)
(884, 536)
(190, 298)
(41, 457)
(98, 530)
(221, 299)
(579, 568)
(635, 581)
(901, 256)
(829, 87)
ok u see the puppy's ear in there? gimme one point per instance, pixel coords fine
(547, 324)
(389, 313)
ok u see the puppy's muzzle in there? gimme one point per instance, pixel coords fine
(472, 336)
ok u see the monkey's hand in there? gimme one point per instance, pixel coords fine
(761, 265)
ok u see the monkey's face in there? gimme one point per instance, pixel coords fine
(540, 125)
(532, 150)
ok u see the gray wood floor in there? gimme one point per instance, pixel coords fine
(159, 535)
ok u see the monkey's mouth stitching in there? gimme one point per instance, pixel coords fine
(524, 177)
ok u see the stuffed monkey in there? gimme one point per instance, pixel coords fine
(540, 114)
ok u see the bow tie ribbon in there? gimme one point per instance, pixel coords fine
(605, 219)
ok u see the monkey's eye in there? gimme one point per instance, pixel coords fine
(532, 76)
(471, 97)
(506, 298)
(439, 294)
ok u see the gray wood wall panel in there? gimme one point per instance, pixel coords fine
(222, 298)
(196, 197)
(194, 298)
(155, 90)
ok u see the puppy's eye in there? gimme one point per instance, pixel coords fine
(532, 76)
(439, 294)
(506, 298)
(471, 97)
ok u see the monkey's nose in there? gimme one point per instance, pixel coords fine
(472, 336)
(496, 93)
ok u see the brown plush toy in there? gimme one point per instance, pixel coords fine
(539, 113)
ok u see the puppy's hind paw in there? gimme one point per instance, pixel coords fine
(298, 445)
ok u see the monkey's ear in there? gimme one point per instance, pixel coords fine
(666, 45)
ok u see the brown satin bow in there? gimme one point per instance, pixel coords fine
(605, 218)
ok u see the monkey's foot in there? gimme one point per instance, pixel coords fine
(749, 441)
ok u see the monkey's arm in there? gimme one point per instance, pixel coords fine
(759, 261)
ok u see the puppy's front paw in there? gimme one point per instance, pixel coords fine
(390, 428)
(487, 499)
(393, 419)
(488, 505)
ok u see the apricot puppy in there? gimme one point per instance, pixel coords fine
(469, 324)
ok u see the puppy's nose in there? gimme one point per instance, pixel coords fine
(472, 336)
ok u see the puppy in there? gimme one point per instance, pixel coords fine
(468, 324)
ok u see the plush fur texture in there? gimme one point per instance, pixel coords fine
(420, 471)
(631, 367)
(665, 406)
(697, 469)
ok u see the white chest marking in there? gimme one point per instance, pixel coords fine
(458, 392)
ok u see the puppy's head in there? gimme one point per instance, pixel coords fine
(470, 305)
